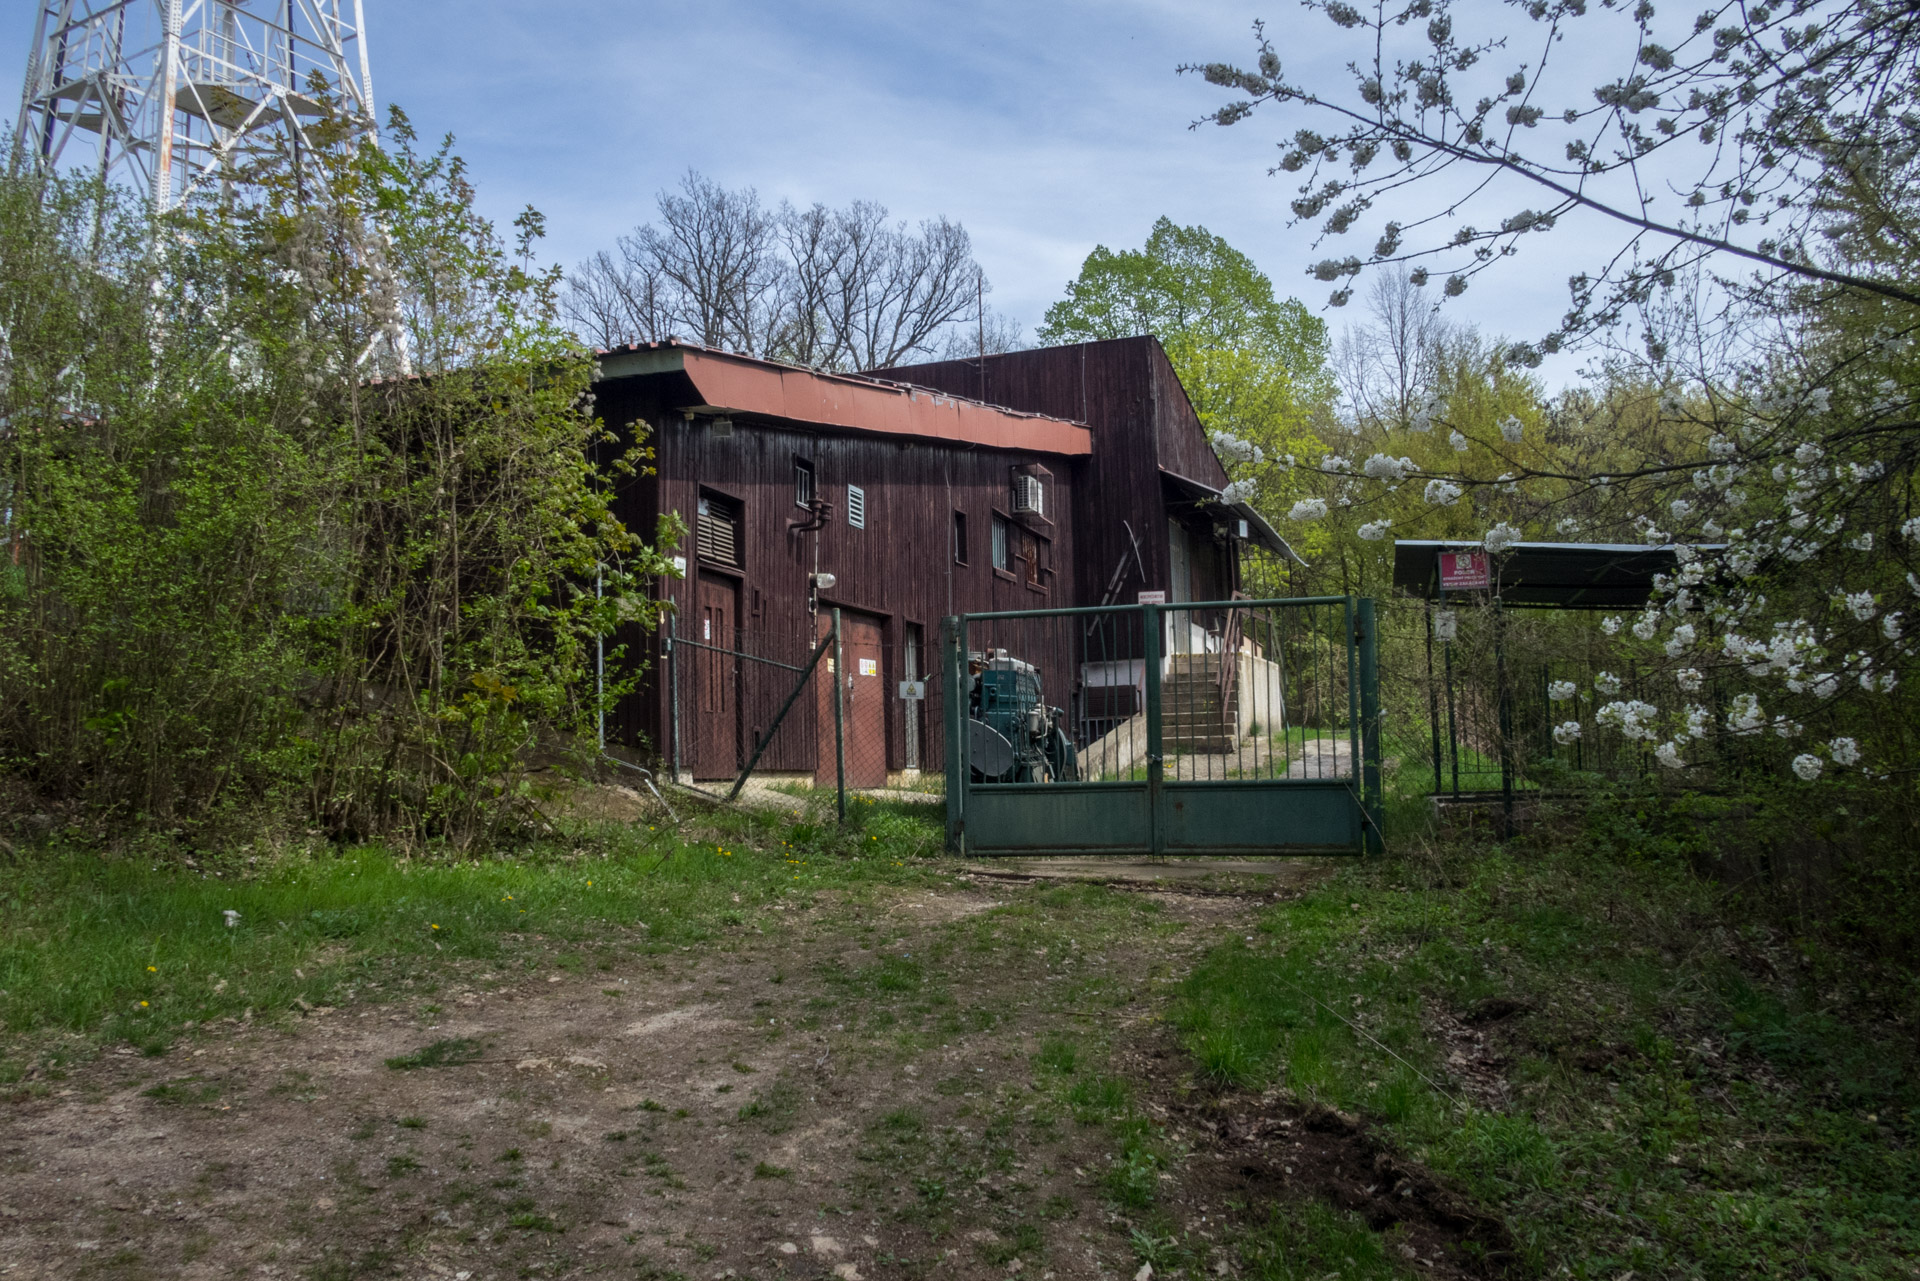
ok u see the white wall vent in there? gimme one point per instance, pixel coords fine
(856, 507)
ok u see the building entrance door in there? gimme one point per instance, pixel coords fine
(864, 688)
(716, 722)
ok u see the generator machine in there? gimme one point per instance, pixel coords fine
(1012, 735)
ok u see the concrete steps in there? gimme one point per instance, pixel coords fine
(1192, 718)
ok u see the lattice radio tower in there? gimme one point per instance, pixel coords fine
(168, 95)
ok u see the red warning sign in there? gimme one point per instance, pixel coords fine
(1460, 571)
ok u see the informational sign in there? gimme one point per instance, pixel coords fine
(913, 689)
(1153, 598)
(869, 667)
(1460, 571)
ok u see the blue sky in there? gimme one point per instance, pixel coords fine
(1046, 127)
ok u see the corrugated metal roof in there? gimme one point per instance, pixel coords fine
(728, 382)
(1259, 531)
(1551, 575)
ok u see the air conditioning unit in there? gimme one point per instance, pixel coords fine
(1029, 496)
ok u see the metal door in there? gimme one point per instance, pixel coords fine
(716, 727)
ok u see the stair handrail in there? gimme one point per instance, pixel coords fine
(1230, 637)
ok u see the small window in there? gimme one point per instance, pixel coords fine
(718, 535)
(802, 482)
(856, 507)
(959, 538)
(1000, 553)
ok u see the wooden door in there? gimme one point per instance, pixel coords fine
(716, 679)
(863, 685)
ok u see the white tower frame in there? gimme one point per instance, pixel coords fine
(173, 92)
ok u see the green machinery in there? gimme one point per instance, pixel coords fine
(1012, 735)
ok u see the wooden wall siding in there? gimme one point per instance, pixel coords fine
(897, 568)
(1126, 392)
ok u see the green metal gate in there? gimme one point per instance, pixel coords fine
(1239, 727)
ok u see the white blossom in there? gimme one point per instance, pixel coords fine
(1784, 728)
(1446, 625)
(1443, 493)
(1238, 491)
(1681, 509)
(1807, 766)
(1745, 717)
(1689, 680)
(1308, 509)
(1910, 528)
(1386, 467)
(1561, 691)
(233, 917)
(1566, 732)
(1610, 624)
(1712, 529)
(1512, 428)
(1375, 530)
(1825, 685)
(1807, 455)
(1668, 754)
(1681, 640)
(1607, 683)
(1861, 542)
(1844, 751)
(1890, 626)
(1458, 442)
(1232, 448)
(1501, 537)
(1334, 462)
(1632, 718)
(1721, 447)
(1698, 718)
(1861, 606)
(1646, 625)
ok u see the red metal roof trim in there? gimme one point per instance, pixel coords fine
(745, 385)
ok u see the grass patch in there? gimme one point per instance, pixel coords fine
(129, 949)
(447, 1053)
(183, 1090)
(1681, 1100)
(764, 1170)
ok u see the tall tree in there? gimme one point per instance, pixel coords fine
(826, 288)
(1254, 366)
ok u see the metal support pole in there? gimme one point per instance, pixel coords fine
(1370, 726)
(1156, 756)
(1505, 716)
(599, 646)
(839, 719)
(1433, 710)
(953, 657)
(673, 690)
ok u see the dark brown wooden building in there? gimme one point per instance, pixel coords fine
(1080, 477)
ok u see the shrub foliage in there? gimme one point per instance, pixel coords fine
(304, 504)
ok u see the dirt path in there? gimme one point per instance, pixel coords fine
(848, 1089)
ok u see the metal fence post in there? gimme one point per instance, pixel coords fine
(673, 689)
(1156, 757)
(839, 720)
(1370, 725)
(1504, 717)
(953, 658)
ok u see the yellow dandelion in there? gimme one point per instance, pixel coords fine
(152, 970)
(433, 927)
(143, 1005)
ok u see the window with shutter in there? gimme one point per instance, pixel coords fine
(802, 482)
(718, 534)
(856, 507)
